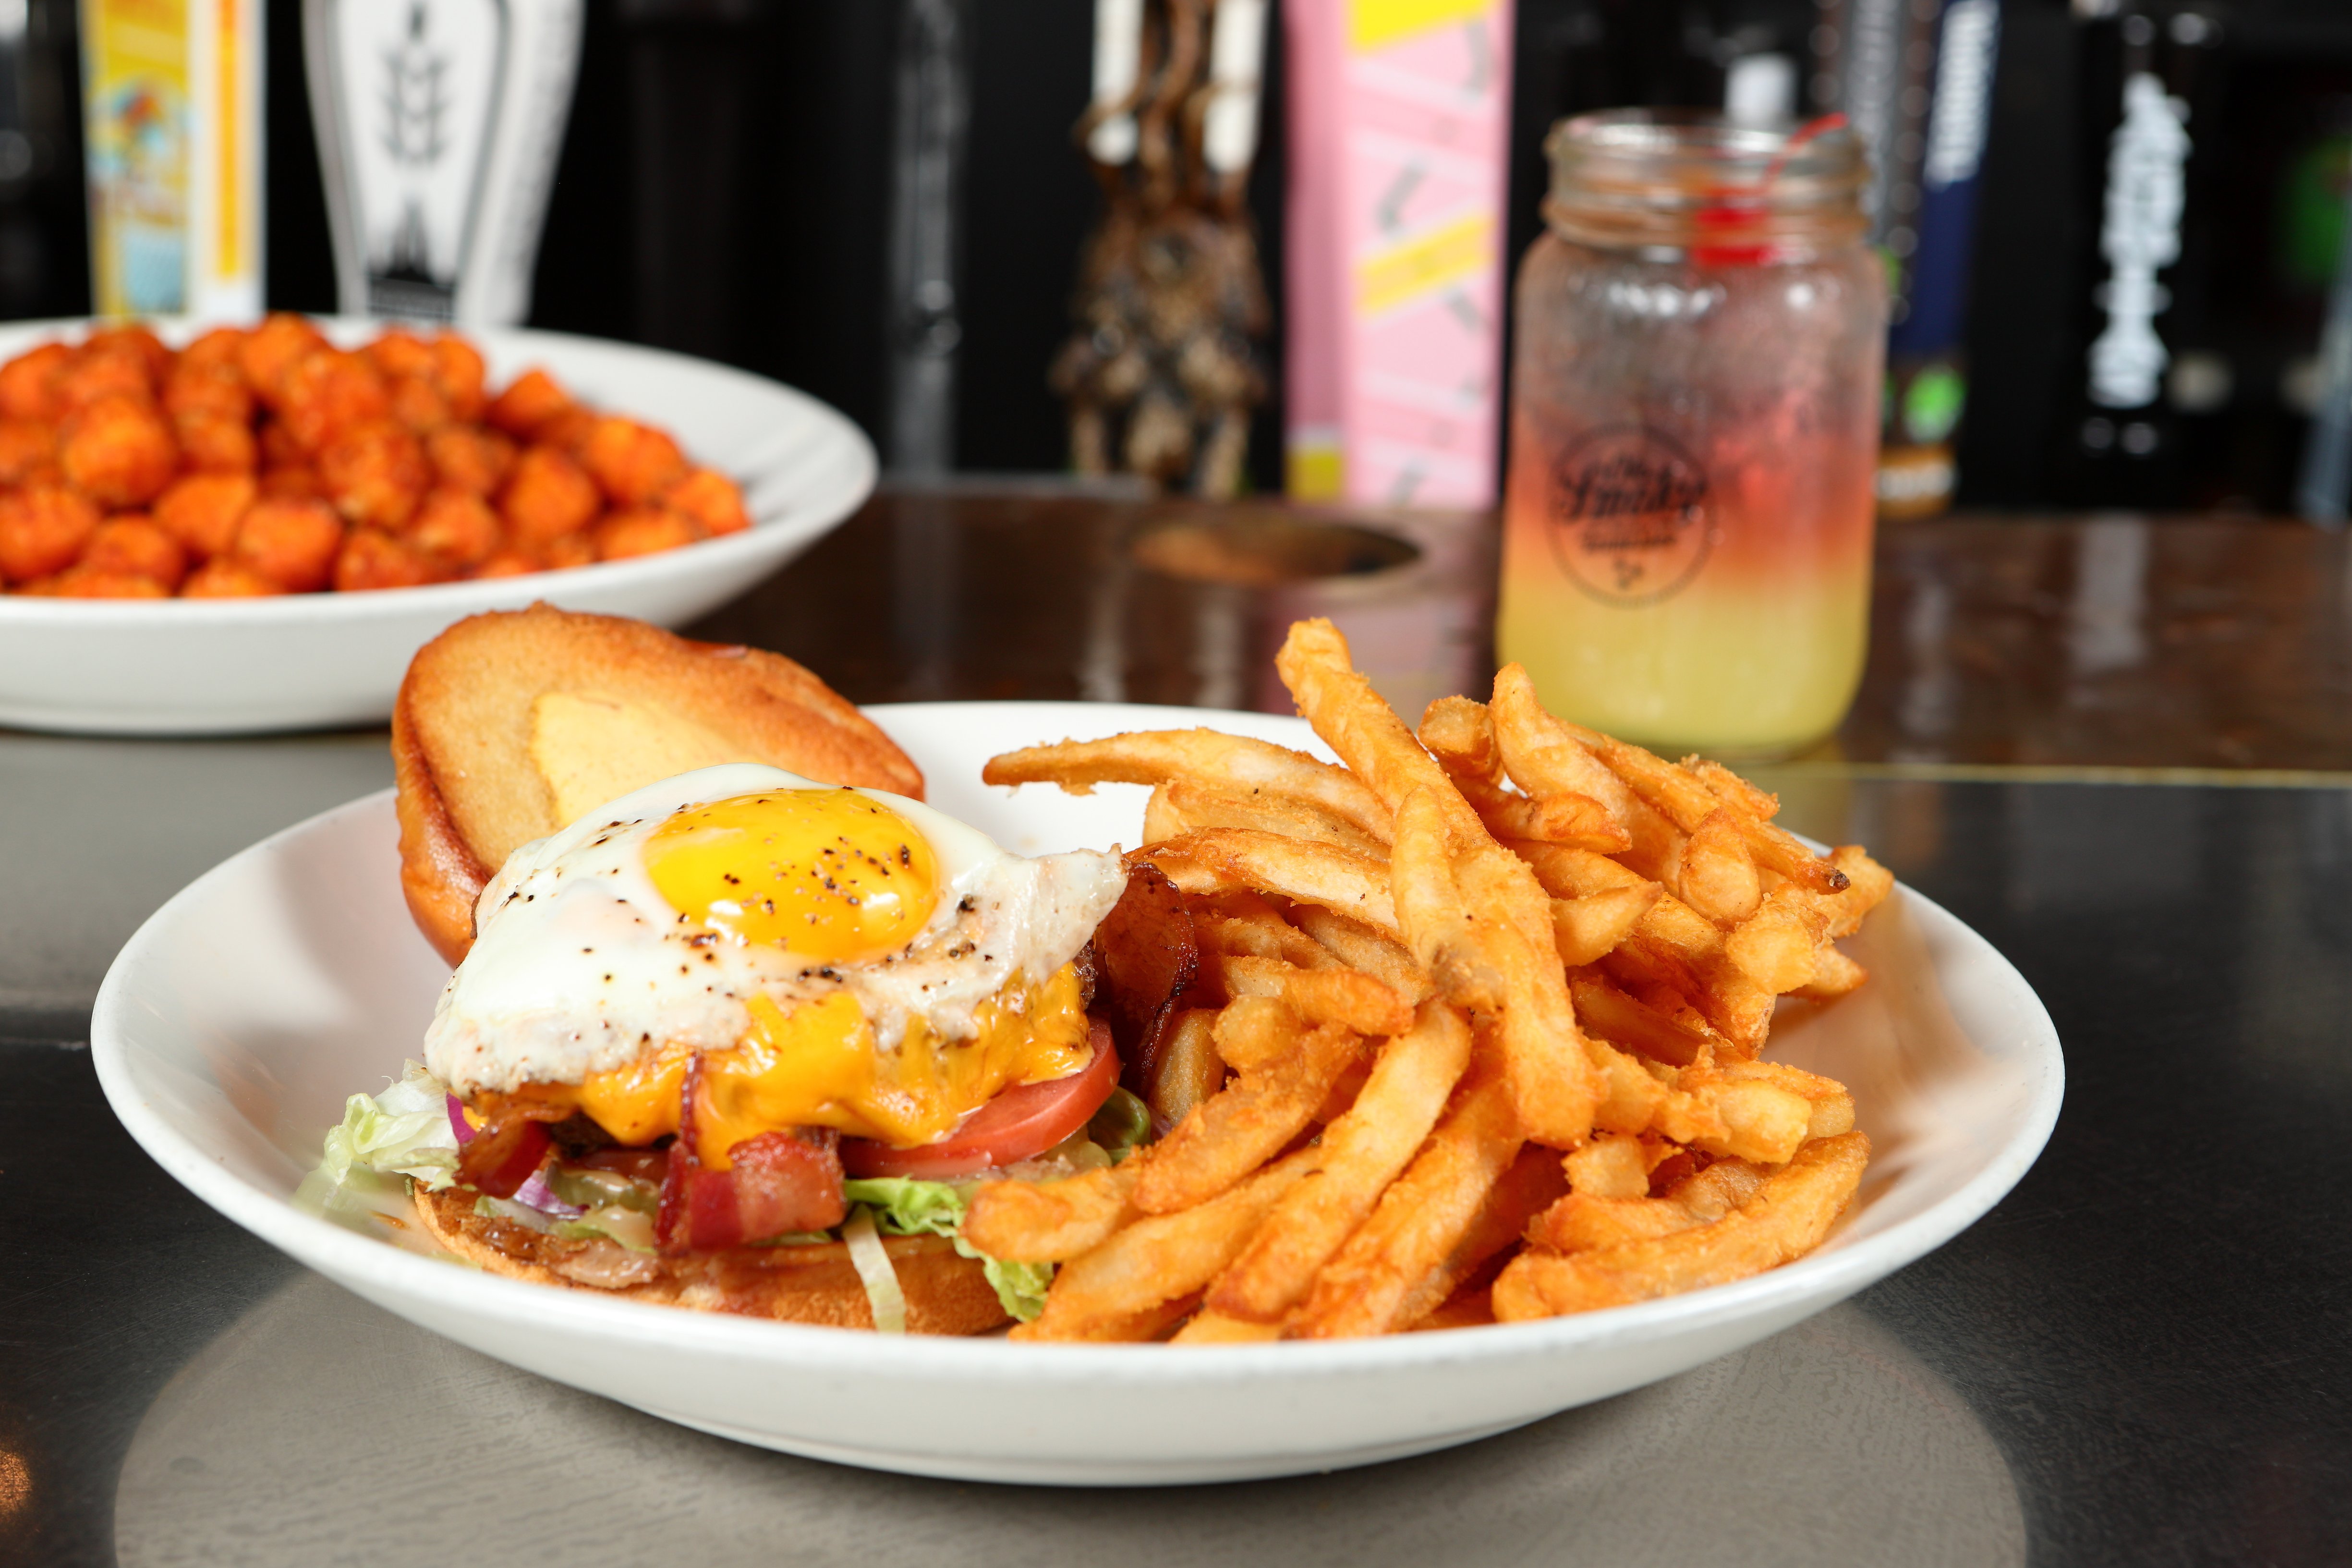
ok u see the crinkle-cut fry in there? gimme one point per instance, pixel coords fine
(1161, 821)
(1187, 1068)
(1183, 806)
(1347, 997)
(1459, 732)
(1140, 1327)
(1717, 874)
(1213, 1328)
(1046, 1222)
(1668, 932)
(1355, 722)
(1688, 803)
(1266, 935)
(1577, 819)
(1542, 758)
(1867, 883)
(1162, 1257)
(1469, 921)
(1436, 920)
(1582, 1220)
(1610, 1012)
(1253, 1033)
(1612, 1166)
(1787, 1218)
(1363, 1151)
(1529, 1184)
(1777, 947)
(1589, 929)
(1158, 756)
(1834, 975)
(1421, 1220)
(1235, 1130)
(1221, 859)
(1550, 1079)
(1732, 790)
(1364, 947)
(1832, 1101)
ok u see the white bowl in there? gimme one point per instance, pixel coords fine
(232, 1026)
(241, 666)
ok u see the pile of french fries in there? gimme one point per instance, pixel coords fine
(1465, 1030)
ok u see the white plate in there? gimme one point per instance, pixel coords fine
(232, 1026)
(241, 666)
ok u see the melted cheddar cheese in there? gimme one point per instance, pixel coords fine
(817, 1066)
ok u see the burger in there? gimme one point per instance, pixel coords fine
(739, 1038)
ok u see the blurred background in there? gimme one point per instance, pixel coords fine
(725, 184)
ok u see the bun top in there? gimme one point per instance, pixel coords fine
(510, 726)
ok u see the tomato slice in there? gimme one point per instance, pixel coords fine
(1025, 1120)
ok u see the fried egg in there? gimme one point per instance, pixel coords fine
(834, 956)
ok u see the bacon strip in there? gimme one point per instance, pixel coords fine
(780, 1181)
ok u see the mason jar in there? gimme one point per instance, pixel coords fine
(1688, 509)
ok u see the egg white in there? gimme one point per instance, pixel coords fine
(579, 965)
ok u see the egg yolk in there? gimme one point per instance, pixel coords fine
(826, 872)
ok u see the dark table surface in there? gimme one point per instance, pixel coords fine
(2141, 1357)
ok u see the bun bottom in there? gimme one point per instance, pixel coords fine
(946, 1293)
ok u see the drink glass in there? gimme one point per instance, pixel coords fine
(1688, 509)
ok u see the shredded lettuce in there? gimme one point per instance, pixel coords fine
(404, 1131)
(904, 1206)
(1121, 1126)
(872, 1261)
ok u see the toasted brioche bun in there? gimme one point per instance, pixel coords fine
(510, 725)
(946, 1293)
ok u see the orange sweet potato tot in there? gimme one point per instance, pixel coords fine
(271, 350)
(326, 392)
(469, 459)
(227, 578)
(417, 403)
(632, 462)
(87, 582)
(298, 481)
(292, 543)
(118, 452)
(710, 498)
(28, 382)
(644, 531)
(398, 353)
(201, 511)
(95, 374)
(211, 444)
(571, 550)
(458, 372)
(568, 431)
(197, 387)
(43, 528)
(371, 559)
(507, 563)
(547, 498)
(223, 348)
(456, 528)
(531, 401)
(375, 474)
(27, 448)
(134, 545)
(135, 339)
